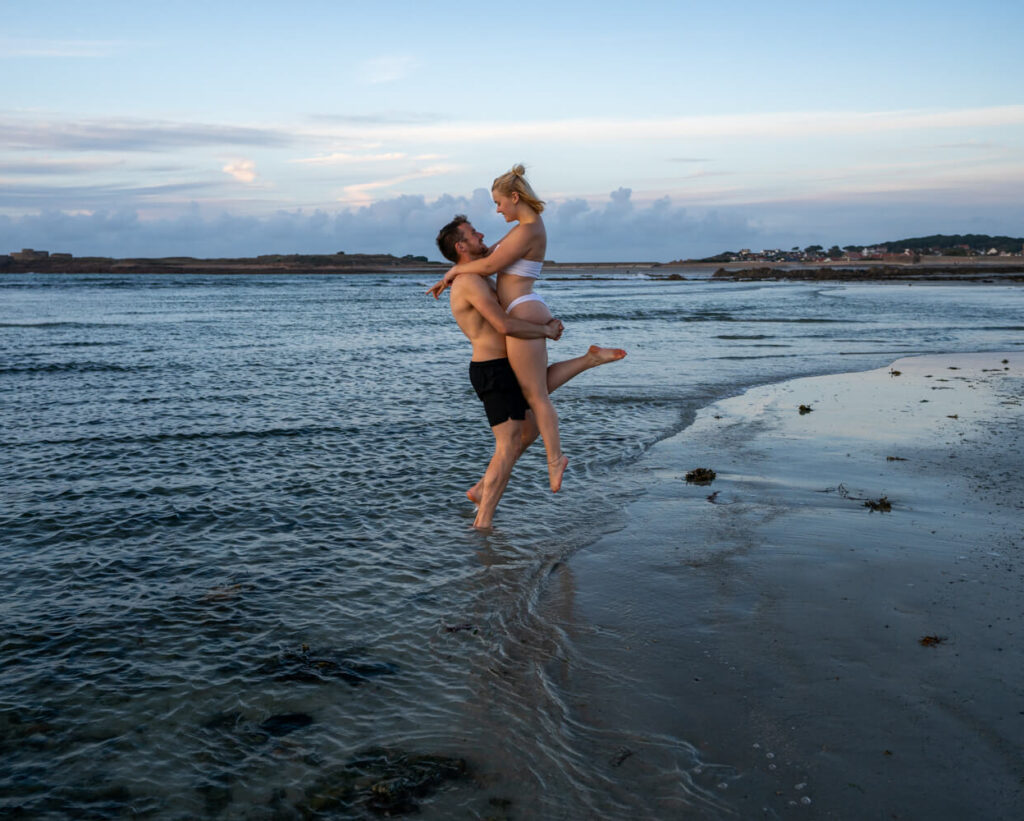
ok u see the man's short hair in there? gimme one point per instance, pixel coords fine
(449, 235)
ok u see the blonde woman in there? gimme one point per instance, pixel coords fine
(517, 260)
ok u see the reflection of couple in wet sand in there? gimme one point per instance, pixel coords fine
(509, 326)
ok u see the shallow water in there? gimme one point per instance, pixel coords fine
(238, 554)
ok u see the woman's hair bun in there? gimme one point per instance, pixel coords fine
(519, 170)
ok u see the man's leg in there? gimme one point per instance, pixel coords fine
(507, 437)
(558, 374)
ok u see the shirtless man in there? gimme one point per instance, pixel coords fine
(478, 313)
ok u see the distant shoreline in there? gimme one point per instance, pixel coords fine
(303, 264)
(1004, 270)
(269, 264)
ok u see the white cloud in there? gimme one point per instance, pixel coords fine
(241, 170)
(348, 158)
(125, 134)
(358, 193)
(753, 126)
(11, 47)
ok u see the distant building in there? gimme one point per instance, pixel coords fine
(62, 257)
(29, 255)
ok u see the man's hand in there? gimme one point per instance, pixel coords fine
(555, 328)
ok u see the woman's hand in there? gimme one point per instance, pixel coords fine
(555, 328)
(438, 287)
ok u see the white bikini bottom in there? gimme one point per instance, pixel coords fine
(524, 298)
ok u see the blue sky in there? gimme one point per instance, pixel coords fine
(655, 130)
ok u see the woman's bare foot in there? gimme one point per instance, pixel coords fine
(602, 355)
(555, 470)
(474, 495)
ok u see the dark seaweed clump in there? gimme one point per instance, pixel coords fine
(700, 476)
(384, 780)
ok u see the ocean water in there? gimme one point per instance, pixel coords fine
(241, 580)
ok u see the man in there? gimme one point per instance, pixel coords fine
(478, 313)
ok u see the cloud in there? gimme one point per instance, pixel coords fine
(45, 166)
(130, 135)
(971, 144)
(93, 197)
(383, 118)
(241, 170)
(11, 47)
(358, 193)
(780, 125)
(386, 69)
(348, 158)
(616, 228)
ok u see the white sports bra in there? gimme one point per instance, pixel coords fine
(525, 268)
(522, 267)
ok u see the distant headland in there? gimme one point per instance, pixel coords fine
(29, 260)
(938, 256)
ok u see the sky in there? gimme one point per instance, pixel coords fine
(653, 130)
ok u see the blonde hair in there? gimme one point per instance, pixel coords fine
(514, 181)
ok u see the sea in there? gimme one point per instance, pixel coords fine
(240, 578)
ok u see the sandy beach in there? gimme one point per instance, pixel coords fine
(823, 659)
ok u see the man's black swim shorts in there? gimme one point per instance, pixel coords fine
(496, 385)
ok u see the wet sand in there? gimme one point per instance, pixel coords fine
(824, 660)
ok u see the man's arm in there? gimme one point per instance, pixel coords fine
(513, 246)
(479, 294)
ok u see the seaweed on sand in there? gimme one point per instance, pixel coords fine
(700, 476)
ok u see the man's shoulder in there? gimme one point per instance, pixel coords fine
(471, 284)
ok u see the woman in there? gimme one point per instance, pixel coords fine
(518, 259)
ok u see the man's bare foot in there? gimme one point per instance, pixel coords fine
(600, 356)
(555, 470)
(474, 495)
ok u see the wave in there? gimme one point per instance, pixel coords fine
(61, 325)
(745, 336)
(73, 367)
(228, 435)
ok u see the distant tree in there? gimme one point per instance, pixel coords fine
(813, 249)
(835, 252)
(853, 248)
(795, 248)
(976, 242)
